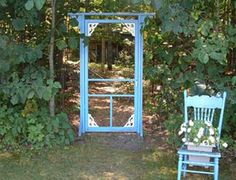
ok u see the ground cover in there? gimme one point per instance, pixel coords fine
(100, 156)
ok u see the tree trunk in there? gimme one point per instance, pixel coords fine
(86, 4)
(51, 55)
(233, 21)
(103, 54)
(109, 55)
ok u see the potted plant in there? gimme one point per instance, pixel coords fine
(200, 136)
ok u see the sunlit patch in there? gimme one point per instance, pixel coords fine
(5, 155)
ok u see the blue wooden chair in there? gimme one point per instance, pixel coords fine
(202, 108)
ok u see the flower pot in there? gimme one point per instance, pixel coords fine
(202, 148)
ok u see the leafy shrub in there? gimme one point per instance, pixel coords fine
(172, 125)
(33, 83)
(12, 127)
(35, 130)
(193, 50)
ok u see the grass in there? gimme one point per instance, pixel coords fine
(94, 159)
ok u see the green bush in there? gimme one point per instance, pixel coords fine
(172, 125)
(196, 52)
(34, 130)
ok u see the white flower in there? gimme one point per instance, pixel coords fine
(183, 125)
(225, 145)
(201, 130)
(199, 135)
(208, 123)
(184, 139)
(180, 132)
(211, 131)
(188, 130)
(183, 129)
(212, 139)
(195, 140)
(191, 123)
(206, 142)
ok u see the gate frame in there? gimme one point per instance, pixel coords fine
(87, 24)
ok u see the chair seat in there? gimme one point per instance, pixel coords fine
(184, 151)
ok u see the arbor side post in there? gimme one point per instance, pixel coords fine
(140, 77)
(81, 20)
(86, 67)
(136, 85)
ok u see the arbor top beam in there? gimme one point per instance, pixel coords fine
(111, 14)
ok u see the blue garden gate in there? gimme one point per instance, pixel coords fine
(134, 23)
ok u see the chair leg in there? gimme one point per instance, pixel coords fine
(180, 166)
(185, 165)
(216, 168)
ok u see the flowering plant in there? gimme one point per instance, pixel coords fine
(200, 132)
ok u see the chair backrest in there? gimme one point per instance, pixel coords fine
(205, 108)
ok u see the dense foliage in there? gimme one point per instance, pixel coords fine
(33, 127)
(191, 44)
(26, 85)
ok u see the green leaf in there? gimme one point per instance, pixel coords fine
(234, 80)
(40, 92)
(50, 83)
(73, 22)
(47, 94)
(35, 54)
(63, 28)
(220, 57)
(29, 5)
(203, 57)
(61, 44)
(19, 24)
(39, 3)
(147, 2)
(30, 94)
(3, 3)
(136, 1)
(14, 99)
(55, 124)
(231, 30)
(158, 4)
(4, 67)
(71, 135)
(206, 27)
(215, 55)
(3, 42)
(56, 85)
(73, 42)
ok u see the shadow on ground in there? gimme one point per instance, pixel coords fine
(100, 156)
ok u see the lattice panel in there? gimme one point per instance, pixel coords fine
(91, 121)
(130, 27)
(130, 122)
(91, 28)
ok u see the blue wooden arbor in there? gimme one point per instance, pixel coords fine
(134, 23)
